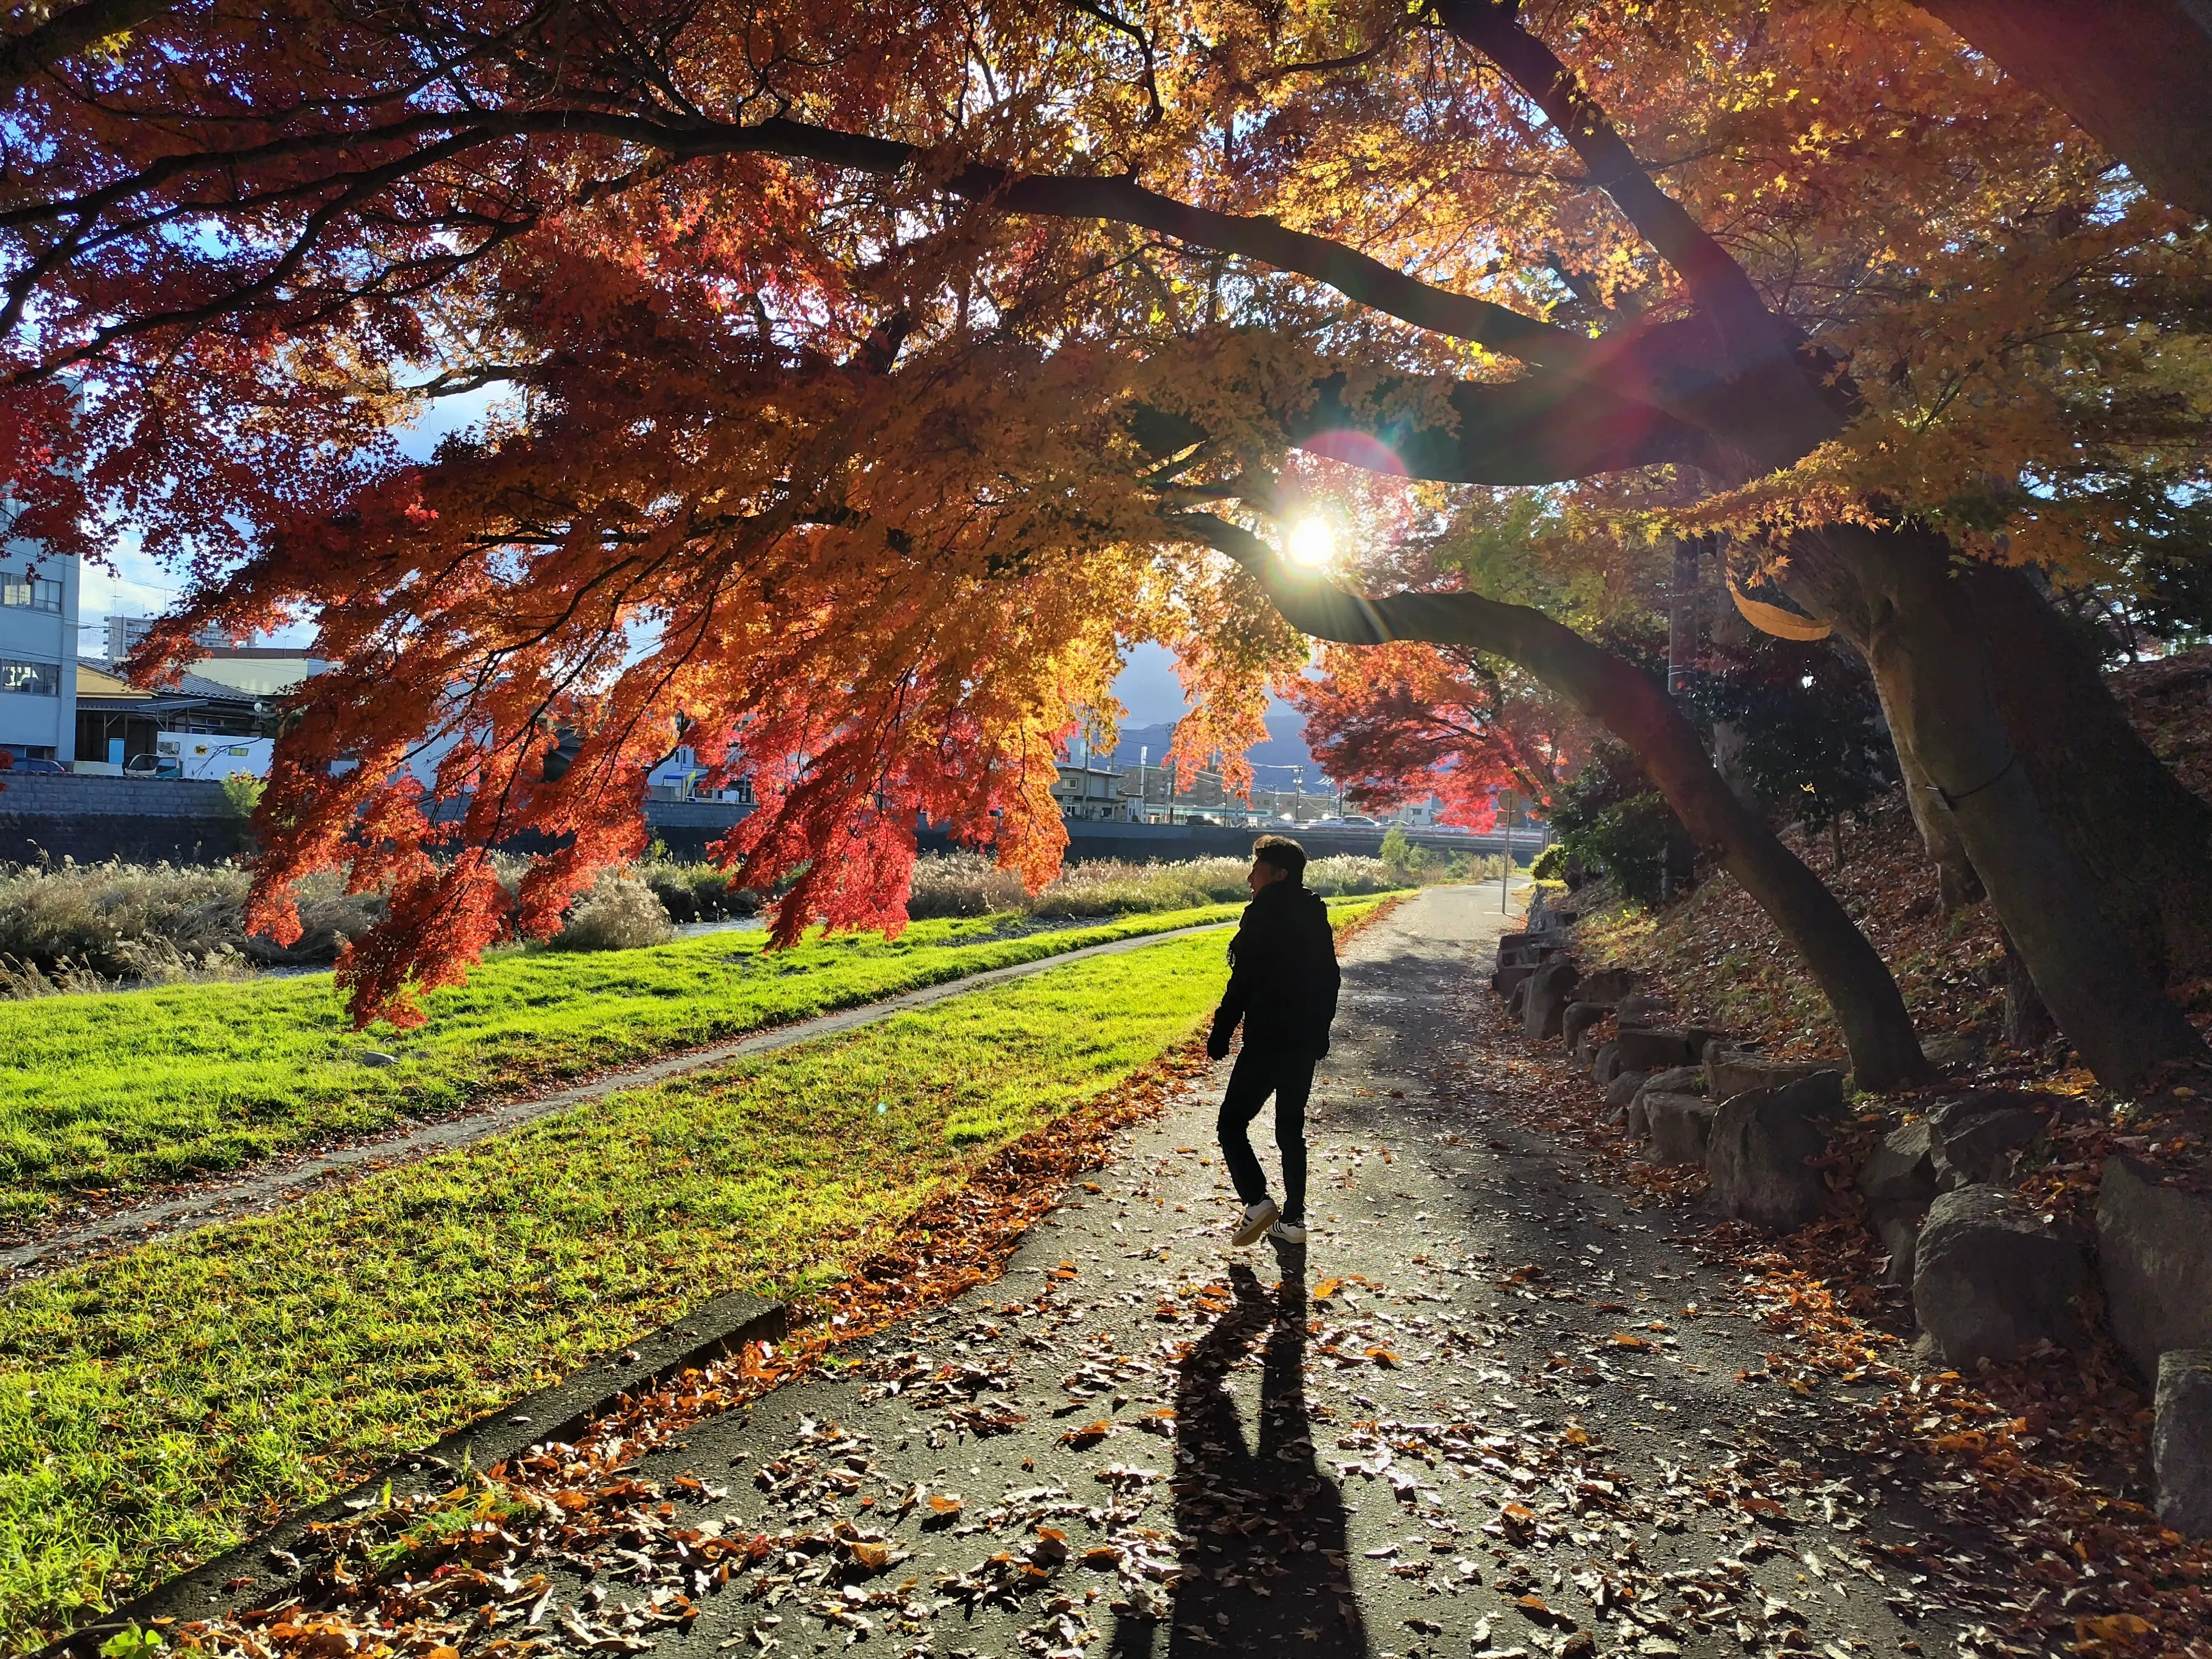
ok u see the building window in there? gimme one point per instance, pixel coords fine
(31, 592)
(36, 679)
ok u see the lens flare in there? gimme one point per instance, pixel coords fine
(1312, 543)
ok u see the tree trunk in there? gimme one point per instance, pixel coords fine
(1877, 1029)
(1891, 594)
(1956, 884)
(2143, 840)
(2027, 1021)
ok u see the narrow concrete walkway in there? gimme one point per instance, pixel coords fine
(270, 1186)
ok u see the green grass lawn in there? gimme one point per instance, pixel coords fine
(119, 1092)
(158, 1406)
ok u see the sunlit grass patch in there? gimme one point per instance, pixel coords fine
(129, 1089)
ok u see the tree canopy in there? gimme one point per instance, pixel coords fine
(863, 376)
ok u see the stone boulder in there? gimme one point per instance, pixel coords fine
(1550, 990)
(1580, 1018)
(1606, 1066)
(2154, 1256)
(1508, 979)
(1645, 1049)
(1619, 1093)
(2181, 1441)
(1676, 1126)
(1762, 1140)
(1979, 1139)
(1606, 985)
(1955, 1051)
(1680, 1080)
(1897, 1182)
(1640, 1010)
(1992, 1279)
(1516, 995)
(1732, 1070)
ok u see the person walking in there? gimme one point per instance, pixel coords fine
(1283, 983)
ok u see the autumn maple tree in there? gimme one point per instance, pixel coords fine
(1404, 721)
(867, 380)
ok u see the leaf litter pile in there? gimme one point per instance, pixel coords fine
(2029, 1476)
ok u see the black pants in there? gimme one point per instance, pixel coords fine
(1260, 1073)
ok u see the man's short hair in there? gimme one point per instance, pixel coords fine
(1281, 852)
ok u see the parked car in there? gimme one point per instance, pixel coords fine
(40, 766)
(1349, 821)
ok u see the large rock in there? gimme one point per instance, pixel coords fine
(1640, 1010)
(1525, 941)
(1761, 1141)
(1732, 1070)
(1680, 1080)
(1955, 1051)
(1897, 1182)
(1992, 1279)
(1582, 1016)
(1980, 1139)
(1516, 994)
(1618, 1093)
(1607, 1065)
(1676, 1126)
(2181, 1441)
(1549, 992)
(2155, 1256)
(1606, 985)
(1900, 1173)
(1644, 1050)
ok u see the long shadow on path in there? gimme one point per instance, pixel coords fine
(1264, 1566)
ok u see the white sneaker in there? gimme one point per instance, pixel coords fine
(1257, 1218)
(1288, 1233)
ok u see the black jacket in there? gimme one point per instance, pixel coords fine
(1282, 974)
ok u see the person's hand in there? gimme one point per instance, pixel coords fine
(1217, 1046)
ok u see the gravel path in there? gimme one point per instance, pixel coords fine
(1489, 1410)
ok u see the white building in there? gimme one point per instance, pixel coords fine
(1090, 793)
(37, 653)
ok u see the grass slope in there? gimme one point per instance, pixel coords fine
(157, 1406)
(121, 1090)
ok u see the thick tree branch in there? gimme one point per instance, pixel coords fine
(1366, 280)
(1539, 429)
(1789, 417)
(1618, 695)
(2135, 74)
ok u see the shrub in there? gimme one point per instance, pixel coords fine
(1401, 858)
(241, 793)
(1551, 864)
(619, 914)
(1611, 818)
(694, 892)
(961, 885)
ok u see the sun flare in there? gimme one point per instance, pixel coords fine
(1312, 543)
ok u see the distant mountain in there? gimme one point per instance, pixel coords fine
(1285, 746)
